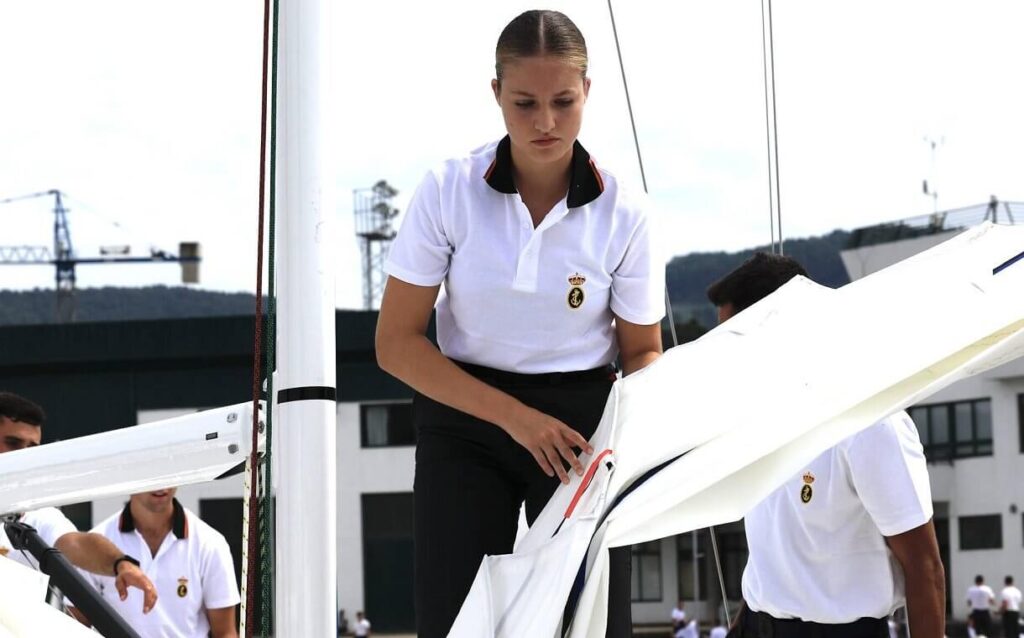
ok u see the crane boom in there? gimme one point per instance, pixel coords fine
(63, 255)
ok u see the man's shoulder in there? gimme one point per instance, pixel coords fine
(43, 515)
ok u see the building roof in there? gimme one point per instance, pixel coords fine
(91, 377)
(940, 222)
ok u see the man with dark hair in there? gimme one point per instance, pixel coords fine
(979, 599)
(752, 281)
(21, 424)
(849, 539)
(1009, 605)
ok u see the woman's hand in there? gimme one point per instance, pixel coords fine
(549, 441)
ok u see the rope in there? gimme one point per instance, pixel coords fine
(771, 126)
(250, 514)
(668, 300)
(267, 499)
(629, 103)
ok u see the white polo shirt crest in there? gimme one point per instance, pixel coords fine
(192, 572)
(527, 299)
(817, 546)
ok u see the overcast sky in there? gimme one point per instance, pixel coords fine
(147, 115)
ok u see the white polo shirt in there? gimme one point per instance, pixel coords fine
(192, 572)
(1012, 597)
(49, 522)
(979, 596)
(817, 546)
(527, 299)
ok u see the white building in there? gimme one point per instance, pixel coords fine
(973, 434)
(973, 431)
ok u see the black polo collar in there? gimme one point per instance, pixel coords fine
(585, 182)
(179, 522)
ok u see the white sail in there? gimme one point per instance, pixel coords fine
(734, 414)
(23, 610)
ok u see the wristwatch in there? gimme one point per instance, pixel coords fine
(125, 558)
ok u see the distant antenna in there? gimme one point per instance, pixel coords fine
(929, 188)
(374, 214)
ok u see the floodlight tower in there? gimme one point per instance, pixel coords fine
(374, 214)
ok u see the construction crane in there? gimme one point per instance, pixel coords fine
(63, 256)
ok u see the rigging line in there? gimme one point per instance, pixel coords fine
(668, 299)
(629, 103)
(267, 509)
(767, 129)
(771, 124)
(248, 614)
(775, 130)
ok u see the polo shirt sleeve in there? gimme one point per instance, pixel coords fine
(51, 524)
(421, 253)
(219, 587)
(890, 474)
(638, 284)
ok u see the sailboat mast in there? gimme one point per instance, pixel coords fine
(306, 587)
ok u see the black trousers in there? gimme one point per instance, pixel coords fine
(472, 477)
(756, 624)
(982, 621)
(1011, 624)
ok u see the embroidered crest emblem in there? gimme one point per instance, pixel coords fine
(807, 492)
(182, 587)
(576, 296)
(4, 551)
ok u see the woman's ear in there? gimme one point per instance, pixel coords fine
(586, 87)
(496, 87)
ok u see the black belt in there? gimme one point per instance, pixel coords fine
(504, 377)
(758, 624)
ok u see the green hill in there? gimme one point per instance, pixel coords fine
(688, 279)
(121, 304)
(690, 275)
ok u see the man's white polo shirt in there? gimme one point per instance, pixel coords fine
(1012, 597)
(527, 299)
(192, 572)
(980, 597)
(817, 546)
(49, 522)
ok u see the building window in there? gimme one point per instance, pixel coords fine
(733, 546)
(646, 576)
(692, 551)
(1020, 420)
(981, 532)
(955, 430)
(386, 425)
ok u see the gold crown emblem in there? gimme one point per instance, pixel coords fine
(808, 478)
(577, 280)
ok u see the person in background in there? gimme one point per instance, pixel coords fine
(1009, 605)
(678, 617)
(979, 600)
(839, 547)
(21, 427)
(362, 627)
(189, 562)
(550, 278)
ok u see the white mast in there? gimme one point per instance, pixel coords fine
(306, 583)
